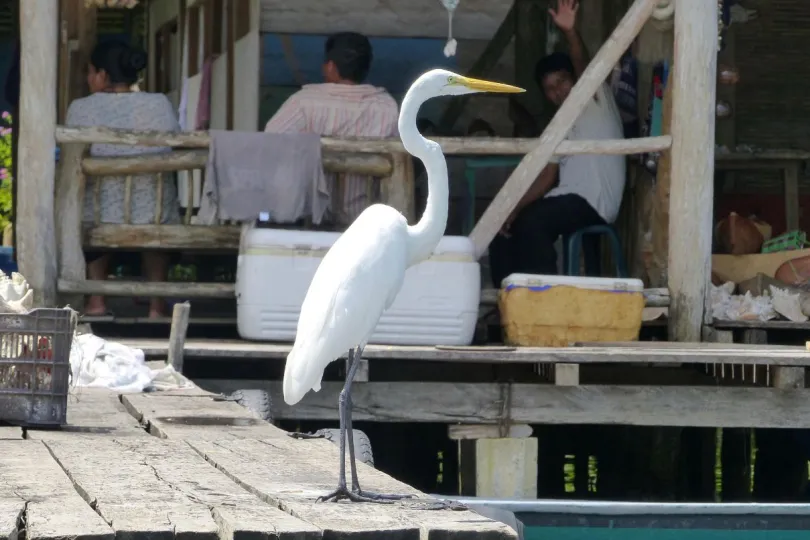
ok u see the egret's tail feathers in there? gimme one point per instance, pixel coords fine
(300, 377)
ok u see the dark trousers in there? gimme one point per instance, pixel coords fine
(529, 248)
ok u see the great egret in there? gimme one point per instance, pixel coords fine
(361, 274)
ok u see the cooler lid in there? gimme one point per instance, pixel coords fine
(254, 238)
(542, 282)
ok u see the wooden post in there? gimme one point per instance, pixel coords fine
(536, 160)
(398, 189)
(177, 335)
(660, 209)
(497, 461)
(69, 206)
(692, 172)
(36, 240)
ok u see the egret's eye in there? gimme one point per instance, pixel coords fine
(452, 80)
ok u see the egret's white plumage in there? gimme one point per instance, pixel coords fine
(362, 273)
(345, 301)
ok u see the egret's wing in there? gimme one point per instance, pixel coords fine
(357, 280)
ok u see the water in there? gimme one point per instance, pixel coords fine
(601, 520)
(593, 533)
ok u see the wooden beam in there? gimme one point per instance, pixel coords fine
(176, 237)
(180, 160)
(69, 205)
(450, 145)
(480, 403)
(621, 353)
(692, 190)
(36, 239)
(534, 162)
(147, 288)
(488, 59)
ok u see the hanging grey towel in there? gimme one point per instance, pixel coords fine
(252, 172)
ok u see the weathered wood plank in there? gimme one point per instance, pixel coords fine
(450, 145)
(194, 414)
(147, 288)
(153, 486)
(169, 237)
(180, 160)
(93, 412)
(481, 403)
(53, 510)
(264, 468)
(10, 433)
(614, 353)
(290, 473)
(12, 510)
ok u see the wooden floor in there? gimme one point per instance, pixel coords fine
(171, 464)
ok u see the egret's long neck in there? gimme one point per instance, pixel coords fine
(425, 235)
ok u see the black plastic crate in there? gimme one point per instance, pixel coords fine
(35, 366)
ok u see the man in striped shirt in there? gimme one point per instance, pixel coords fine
(342, 107)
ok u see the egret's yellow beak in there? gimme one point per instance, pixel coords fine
(487, 86)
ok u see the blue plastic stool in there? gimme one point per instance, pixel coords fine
(572, 245)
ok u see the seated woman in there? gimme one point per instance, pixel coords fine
(115, 102)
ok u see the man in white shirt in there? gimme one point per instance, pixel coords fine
(590, 187)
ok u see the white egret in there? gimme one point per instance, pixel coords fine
(362, 273)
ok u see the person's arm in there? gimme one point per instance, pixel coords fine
(542, 185)
(565, 17)
(289, 118)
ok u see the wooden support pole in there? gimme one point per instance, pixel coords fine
(36, 239)
(69, 205)
(692, 173)
(177, 335)
(535, 161)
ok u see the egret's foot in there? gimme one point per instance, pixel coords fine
(298, 435)
(342, 492)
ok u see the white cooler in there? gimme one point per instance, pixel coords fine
(437, 305)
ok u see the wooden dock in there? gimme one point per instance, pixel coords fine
(680, 384)
(167, 465)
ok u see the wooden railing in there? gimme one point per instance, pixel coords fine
(384, 158)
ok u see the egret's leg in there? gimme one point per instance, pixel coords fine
(342, 492)
(369, 496)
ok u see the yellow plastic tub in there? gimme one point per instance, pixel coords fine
(556, 311)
